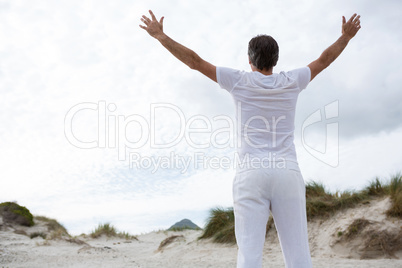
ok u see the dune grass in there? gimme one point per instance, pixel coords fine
(320, 203)
(58, 231)
(38, 234)
(109, 230)
(395, 191)
(373, 242)
(104, 229)
(51, 224)
(220, 226)
(169, 240)
(14, 213)
(381, 243)
(356, 227)
(55, 229)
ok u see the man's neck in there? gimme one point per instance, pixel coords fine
(265, 72)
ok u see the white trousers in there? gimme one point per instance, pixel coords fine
(256, 192)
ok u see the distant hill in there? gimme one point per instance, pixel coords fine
(184, 224)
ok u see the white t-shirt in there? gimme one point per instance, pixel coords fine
(265, 111)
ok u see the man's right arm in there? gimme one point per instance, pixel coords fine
(349, 30)
(184, 54)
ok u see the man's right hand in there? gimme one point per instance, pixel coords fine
(153, 27)
(351, 27)
(182, 53)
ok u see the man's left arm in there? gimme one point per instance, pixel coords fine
(184, 54)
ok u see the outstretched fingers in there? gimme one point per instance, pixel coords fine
(357, 20)
(356, 23)
(352, 26)
(152, 25)
(352, 18)
(152, 15)
(145, 20)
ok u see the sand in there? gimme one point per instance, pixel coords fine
(327, 248)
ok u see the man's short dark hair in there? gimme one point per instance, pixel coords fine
(263, 52)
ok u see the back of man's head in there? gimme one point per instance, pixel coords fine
(263, 52)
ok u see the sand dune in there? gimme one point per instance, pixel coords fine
(329, 246)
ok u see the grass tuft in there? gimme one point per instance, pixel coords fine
(226, 235)
(109, 230)
(104, 229)
(320, 203)
(56, 230)
(316, 189)
(51, 224)
(376, 188)
(395, 191)
(382, 244)
(356, 227)
(37, 234)
(14, 213)
(220, 226)
(168, 241)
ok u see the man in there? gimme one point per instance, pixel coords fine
(269, 178)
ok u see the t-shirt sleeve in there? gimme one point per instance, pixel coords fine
(227, 78)
(302, 76)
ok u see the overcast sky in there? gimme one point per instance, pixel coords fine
(87, 96)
